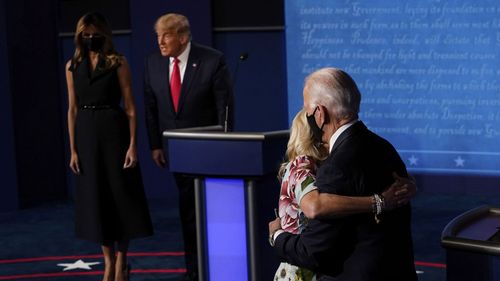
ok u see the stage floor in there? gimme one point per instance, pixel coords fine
(39, 244)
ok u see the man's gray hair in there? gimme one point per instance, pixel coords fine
(334, 89)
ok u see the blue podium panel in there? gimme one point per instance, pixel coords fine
(225, 154)
(226, 229)
(205, 157)
(235, 192)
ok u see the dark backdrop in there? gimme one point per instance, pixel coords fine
(38, 42)
(7, 146)
(36, 158)
(70, 11)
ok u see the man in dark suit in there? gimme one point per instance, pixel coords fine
(185, 85)
(357, 247)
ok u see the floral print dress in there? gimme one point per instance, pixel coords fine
(298, 180)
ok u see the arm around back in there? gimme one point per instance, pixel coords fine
(316, 205)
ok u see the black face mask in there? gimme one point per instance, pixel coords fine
(315, 129)
(93, 44)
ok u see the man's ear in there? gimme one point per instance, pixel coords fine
(324, 114)
(184, 39)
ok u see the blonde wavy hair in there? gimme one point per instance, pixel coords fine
(111, 57)
(301, 143)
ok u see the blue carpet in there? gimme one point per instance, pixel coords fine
(34, 241)
(46, 234)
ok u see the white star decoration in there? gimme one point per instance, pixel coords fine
(79, 264)
(413, 160)
(459, 162)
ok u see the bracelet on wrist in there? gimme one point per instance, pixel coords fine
(378, 205)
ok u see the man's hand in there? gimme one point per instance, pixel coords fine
(158, 157)
(274, 226)
(400, 192)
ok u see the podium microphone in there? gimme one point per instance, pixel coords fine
(243, 56)
(225, 119)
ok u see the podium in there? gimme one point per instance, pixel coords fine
(236, 190)
(472, 243)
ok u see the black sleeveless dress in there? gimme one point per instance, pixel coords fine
(110, 203)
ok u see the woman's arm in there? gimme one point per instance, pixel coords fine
(316, 205)
(72, 111)
(124, 79)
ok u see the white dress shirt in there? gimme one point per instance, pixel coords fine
(183, 58)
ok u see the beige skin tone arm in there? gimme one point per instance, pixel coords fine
(72, 111)
(317, 205)
(321, 206)
(124, 79)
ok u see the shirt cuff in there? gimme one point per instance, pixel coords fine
(278, 232)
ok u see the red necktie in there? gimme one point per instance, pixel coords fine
(175, 84)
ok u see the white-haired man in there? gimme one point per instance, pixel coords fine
(358, 247)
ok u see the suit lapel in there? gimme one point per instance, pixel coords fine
(190, 73)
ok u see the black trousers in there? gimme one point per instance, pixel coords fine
(187, 212)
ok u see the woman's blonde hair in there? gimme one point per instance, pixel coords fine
(301, 142)
(111, 57)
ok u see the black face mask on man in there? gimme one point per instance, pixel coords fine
(315, 129)
(93, 43)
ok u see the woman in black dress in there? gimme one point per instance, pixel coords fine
(110, 206)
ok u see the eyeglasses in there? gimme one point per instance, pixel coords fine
(92, 35)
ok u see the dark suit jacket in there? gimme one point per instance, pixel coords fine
(205, 93)
(355, 247)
